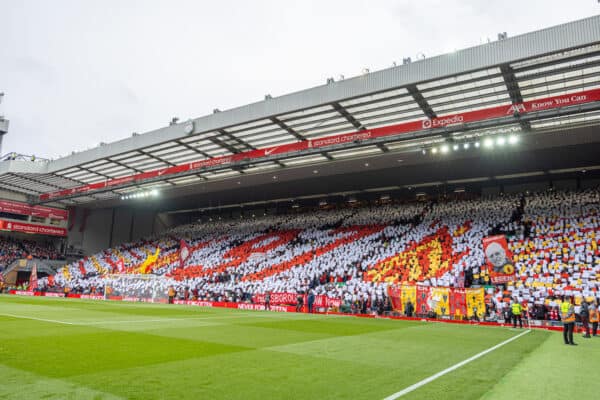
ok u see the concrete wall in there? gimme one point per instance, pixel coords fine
(143, 223)
(96, 235)
(122, 220)
(110, 227)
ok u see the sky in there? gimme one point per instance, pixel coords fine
(77, 73)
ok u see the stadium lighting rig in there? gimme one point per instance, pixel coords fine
(141, 195)
(486, 143)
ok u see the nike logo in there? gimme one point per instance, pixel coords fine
(269, 151)
(159, 173)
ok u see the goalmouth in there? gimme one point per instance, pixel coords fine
(134, 287)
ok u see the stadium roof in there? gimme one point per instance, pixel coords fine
(540, 81)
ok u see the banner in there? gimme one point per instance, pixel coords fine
(433, 299)
(423, 304)
(499, 259)
(458, 303)
(507, 110)
(321, 301)
(394, 294)
(475, 302)
(15, 207)
(444, 301)
(439, 298)
(14, 226)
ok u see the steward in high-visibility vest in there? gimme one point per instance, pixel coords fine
(593, 314)
(567, 312)
(516, 310)
(567, 315)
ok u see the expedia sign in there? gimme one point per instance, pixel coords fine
(444, 121)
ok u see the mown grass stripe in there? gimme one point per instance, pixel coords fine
(452, 368)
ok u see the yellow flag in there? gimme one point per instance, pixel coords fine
(150, 260)
(441, 297)
(475, 302)
(408, 293)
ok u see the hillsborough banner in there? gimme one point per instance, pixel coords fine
(499, 259)
(15, 226)
(502, 111)
(321, 301)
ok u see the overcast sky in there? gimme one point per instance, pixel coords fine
(77, 73)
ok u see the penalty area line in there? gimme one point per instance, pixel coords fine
(452, 368)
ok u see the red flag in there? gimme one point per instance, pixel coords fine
(82, 268)
(458, 302)
(121, 265)
(395, 297)
(184, 253)
(33, 283)
(423, 300)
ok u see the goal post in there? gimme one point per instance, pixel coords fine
(136, 287)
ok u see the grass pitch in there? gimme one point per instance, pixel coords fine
(80, 349)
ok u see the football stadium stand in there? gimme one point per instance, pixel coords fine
(13, 249)
(355, 253)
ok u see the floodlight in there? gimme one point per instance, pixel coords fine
(455, 147)
(444, 148)
(466, 146)
(500, 141)
(513, 139)
(488, 142)
(434, 150)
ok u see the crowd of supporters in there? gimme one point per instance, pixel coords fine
(13, 249)
(354, 254)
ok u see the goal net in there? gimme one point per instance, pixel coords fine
(150, 288)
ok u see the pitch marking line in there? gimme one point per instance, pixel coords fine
(86, 323)
(161, 320)
(452, 368)
(39, 319)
